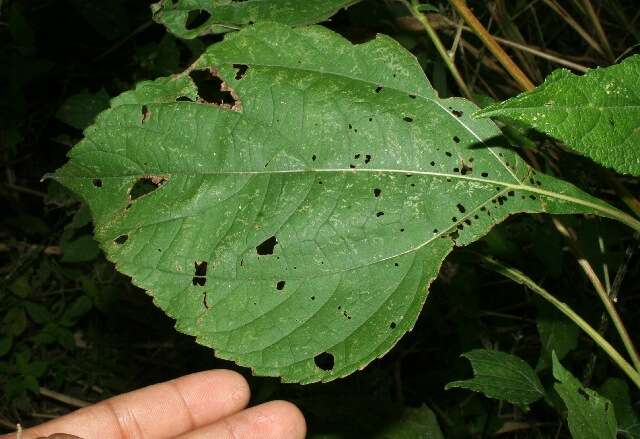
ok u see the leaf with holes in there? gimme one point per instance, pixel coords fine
(597, 114)
(293, 214)
(501, 376)
(194, 18)
(590, 416)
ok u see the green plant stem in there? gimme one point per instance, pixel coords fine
(442, 51)
(519, 277)
(622, 191)
(602, 293)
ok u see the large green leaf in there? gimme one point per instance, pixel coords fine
(501, 376)
(590, 416)
(297, 229)
(193, 18)
(597, 114)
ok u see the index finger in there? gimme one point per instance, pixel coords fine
(160, 411)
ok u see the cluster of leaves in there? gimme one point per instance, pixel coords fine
(277, 199)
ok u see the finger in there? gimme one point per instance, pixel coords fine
(272, 420)
(160, 411)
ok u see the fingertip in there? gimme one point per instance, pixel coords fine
(289, 418)
(277, 420)
(224, 390)
(271, 420)
(241, 392)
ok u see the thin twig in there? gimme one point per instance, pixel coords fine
(533, 50)
(604, 41)
(123, 40)
(544, 55)
(61, 397)
(490, 43)
(25, 190)
(8, 424)
(575, 25)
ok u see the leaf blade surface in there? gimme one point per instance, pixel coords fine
(597, 114)
(297, 230)
(220, 16)
(589, 414)
(502, 376)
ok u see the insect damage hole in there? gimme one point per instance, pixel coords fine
(145, 185)
(146, 114)
(121, 239)
(205, 302)
(280, 285)
(324, 361)
(241, 70)
(213, 90)
(267, 246)
(196, 18)
(199, 277)
(97, 182)
(376, 192)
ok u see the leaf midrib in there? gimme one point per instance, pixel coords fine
(524, 187)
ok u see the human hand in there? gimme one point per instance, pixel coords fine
(204, 405)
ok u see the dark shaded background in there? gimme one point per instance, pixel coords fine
(70, 323)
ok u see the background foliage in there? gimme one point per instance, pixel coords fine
(74, 330)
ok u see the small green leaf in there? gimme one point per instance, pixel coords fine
(77, 309)
(22, 362)
(557, 334)
(597, 114)
(21, 286)
(14, 321)
(82, 249)
(590, 415)
(427, 7)
(502, 376)
(31, 383)
(6, 342)
(81, 109)
(81, 218)
(38, 313)
(193, 18)
(414, 423)
(37, 368)
(617, 391)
